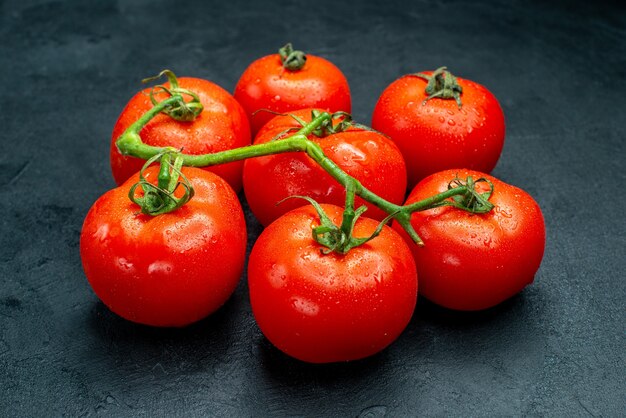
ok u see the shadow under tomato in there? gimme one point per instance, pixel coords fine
(438, 315)
(129, 344)
(290, 372)
(253, 226)
(115, 326)
(437, 335)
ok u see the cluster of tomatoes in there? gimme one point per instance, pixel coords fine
(318, 306)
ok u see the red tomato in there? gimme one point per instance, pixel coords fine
(222, 125)
(265, 84)
(368, 156)
(437, 135)
(326, 308)
(171, 269)
(470, 261)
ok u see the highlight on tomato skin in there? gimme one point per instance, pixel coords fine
(476, 261)
(323, 308)
(168, 270)
(222, 125)
(266, 84)
(437, 134)
(368, 156)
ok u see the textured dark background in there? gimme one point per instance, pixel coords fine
(559, 70)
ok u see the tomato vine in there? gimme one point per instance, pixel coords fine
(130, 143)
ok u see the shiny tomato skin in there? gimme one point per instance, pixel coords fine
(168, 270)
(368, 156)
(438, 135)
(222, 125)
(328, 308)
(469, 261)
(265, 84)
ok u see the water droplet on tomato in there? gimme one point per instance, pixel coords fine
(124, 264)
(277, 276)
(305, 256)
(257, 81)
(159, 267)
(378, 278)
(450, 112)
(304, 306)
(505, 214)
(442, 119)
(451, 122)
(277, 98)
(102, 233)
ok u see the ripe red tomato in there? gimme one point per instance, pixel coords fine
(222, 125)
(265, 84)
(436, 135)
(471, 261)
(326, 308)
(171, 269)
(368, 156)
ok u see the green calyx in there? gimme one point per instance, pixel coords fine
(471, 201)
(180, 109)
(443, 85)
(292, 60)
(339, 239)
(328, 126)
(160, 199)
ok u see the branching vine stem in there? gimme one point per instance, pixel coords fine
(130, 144)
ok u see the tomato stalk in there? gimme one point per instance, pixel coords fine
(293, 60)
(461, 194)
(443, 85)
(160, 199)
(327, 127)
(180, 110)
(339, 238)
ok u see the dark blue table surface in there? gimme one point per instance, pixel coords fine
(558, 348)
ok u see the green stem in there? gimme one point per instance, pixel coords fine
(293, 60)
(164, 172)
(160, 199)
(432, 201)
(130, 143)
(348, 211)
(443, 85)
